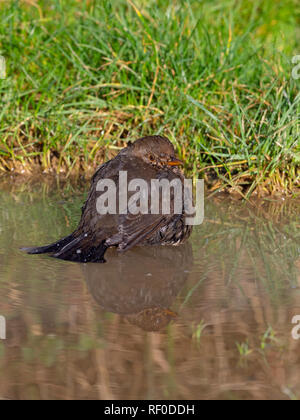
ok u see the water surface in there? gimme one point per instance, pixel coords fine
(210, 319)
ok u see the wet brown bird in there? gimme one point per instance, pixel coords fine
(147, 158)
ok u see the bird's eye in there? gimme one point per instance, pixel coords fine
(151, 157)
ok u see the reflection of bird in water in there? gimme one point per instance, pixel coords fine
(141, 284)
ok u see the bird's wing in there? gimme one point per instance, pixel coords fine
(135, 229)
(122, 230)
(92, 223)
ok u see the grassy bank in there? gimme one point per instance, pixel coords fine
(84, 77)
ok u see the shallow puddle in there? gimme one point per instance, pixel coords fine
(210, 319)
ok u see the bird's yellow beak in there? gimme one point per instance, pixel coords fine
(175, 162)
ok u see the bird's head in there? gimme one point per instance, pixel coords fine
(155, 150)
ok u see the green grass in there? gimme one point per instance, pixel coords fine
(84, 77)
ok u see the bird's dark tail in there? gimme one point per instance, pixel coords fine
(55, 247)
(75, 248)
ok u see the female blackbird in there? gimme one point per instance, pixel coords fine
(147, 158)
